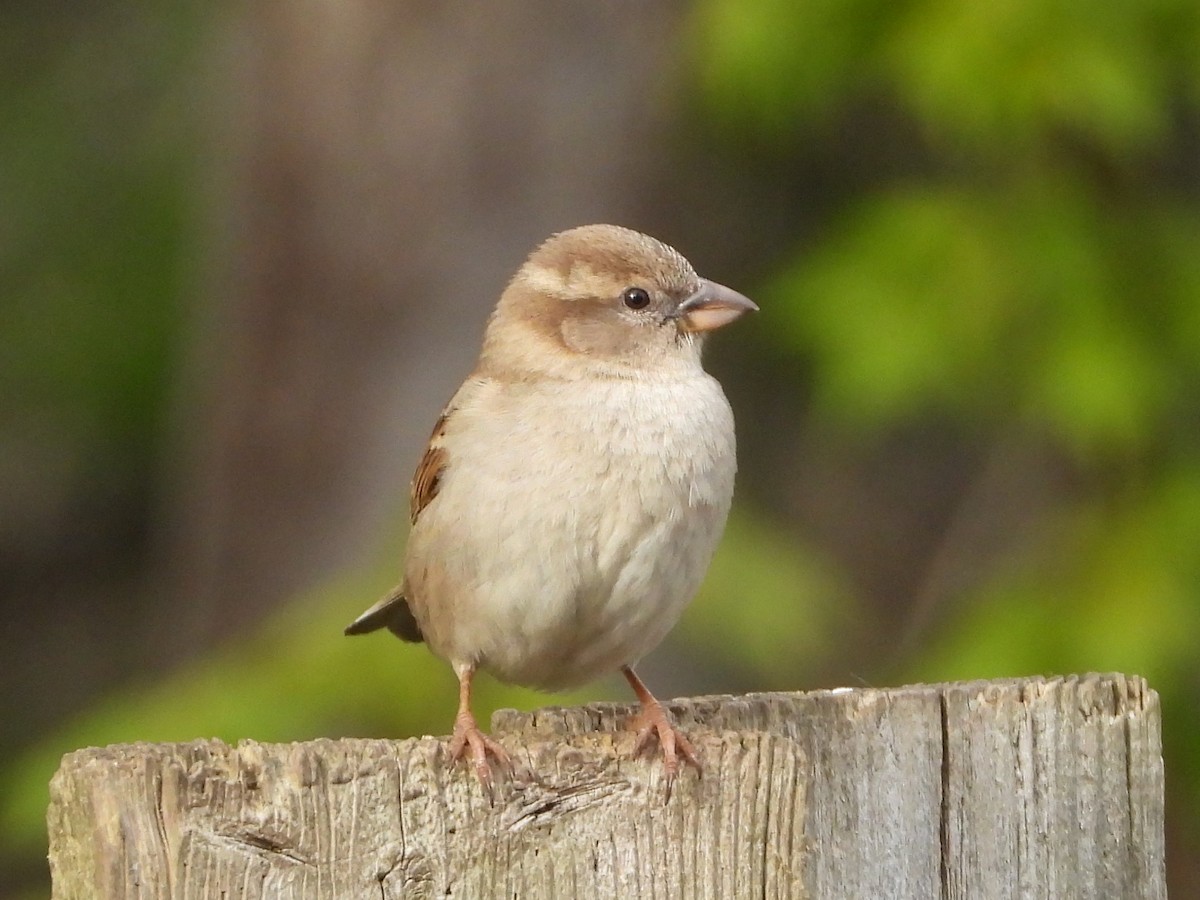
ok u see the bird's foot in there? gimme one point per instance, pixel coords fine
(468, 741)
(651, 723)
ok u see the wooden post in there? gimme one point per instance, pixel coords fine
(1009, 789)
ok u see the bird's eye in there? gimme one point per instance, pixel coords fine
(636, 298)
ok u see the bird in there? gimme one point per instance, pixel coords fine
(575, 488)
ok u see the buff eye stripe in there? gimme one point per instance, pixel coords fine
(581, 283)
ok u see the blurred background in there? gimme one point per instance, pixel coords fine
(247, 252)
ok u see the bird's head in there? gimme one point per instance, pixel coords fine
(613, 299)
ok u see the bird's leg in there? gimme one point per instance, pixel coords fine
(652, 722)
(467, 739)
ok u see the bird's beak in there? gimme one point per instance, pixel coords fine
(712, 306)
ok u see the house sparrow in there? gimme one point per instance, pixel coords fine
(574, 489)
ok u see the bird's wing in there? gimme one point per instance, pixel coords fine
(428, 477)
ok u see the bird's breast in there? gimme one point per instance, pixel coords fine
(575, 525)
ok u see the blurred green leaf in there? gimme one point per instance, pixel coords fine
(768, 603)
(985, 304)
(1102, 588)
(772, 63)
(995, 74)
(899, 304)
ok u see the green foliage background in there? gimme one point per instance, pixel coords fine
(1035, 274)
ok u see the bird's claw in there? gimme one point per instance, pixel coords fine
(651, 723)
(470, 742)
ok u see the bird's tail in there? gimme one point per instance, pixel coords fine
(392, 613)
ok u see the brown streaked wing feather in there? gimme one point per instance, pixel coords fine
(428, 476)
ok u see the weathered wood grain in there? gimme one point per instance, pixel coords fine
(1041, 788)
